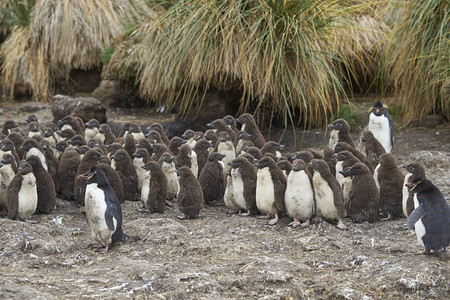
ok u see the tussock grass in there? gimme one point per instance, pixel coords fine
(284, 56)
(61, 36)
(417, 58)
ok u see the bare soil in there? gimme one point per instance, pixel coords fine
(226, 256)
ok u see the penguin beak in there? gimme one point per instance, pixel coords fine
(378, 111)
(330, 126)
(282, 146)
(133, 155)
(410, 185)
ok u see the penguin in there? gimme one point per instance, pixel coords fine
(373, 147)
(31, 118)
(31, 147)
(60, 147)
(129, 144)
(201, 149)
(8, 125)
(155, 200)
(21, 195)
(225, 147)
(92, 129)
(159, 149)
(272, 147)
(241, 137)
(188, 136)
(341, 146)
(48, 134)
(122, 163)
(17, 140)
(228, 197)
(344, 160)
(33, 128)
(414, 171)
(431, 218)
(140, 158)
(70, 122)
(230, 121)
(364, 202)
(114, 180)
(190, 195)
(315, 153)
(66, 134)
(219, 125)
(245, 146)
(52, 162)
(390, 183)
(144, 143)
(77, 140)
(255, 152)
(7, 147)
(168, 168)
(82, 150)
(154, 137)
(285, 166)
(136, 132)
(105, 134)
(270, 188)
(184, 157)
(103, 210)
(95, 142)
(44, 184)
(198, 135)
(244, 178)
(123, 132)
(175, 144)
(328, 193)
(8, 169)
(306, 156)
(211, 137)
(67, 173)
(91, 158)
(112, 148)
(211, 178)
(249, 126)
(380, 125)
(299, 195)
(158, 127)
(343, 132)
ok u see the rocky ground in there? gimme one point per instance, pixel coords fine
(226, 256)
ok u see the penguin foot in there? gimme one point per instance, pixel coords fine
(341, 225)
(426, 251)
(389, 217)
(31, 221)
(305, 224)
(294, 223)
(102, 249)
(264, 217)
(274, 220)
(246, 214)
(183, 217)
(232, 212)
(96, 245)
(169, 203)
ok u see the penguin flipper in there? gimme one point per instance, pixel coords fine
(416, 215)
(12, 196)
(113, 210)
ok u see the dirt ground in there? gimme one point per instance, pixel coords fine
(221, 256)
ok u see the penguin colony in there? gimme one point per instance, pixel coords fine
(87, 163)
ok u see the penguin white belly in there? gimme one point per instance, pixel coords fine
(339, 176)
(39, 154)
(227, 149)
(375, 176)
(228, 197)
(194, 164)
(6, 176)
(379, 125)
(33, 133)
(405, 195)
(101, 137)
(284, 173)
(243, 127)
(191, 142)
(334, 138)
(172, 179)
(265, 192)
(66, 126)
(113, 164)
(299, 196)
(346, 187)
(89, 134)
(27, 197)
(416, 201)
(239, 146)
(138, 135)
(419, 228)
(145, 188)
(137, 164)
(95, 213)
(238, 189)
(51, 140)
(324, 198)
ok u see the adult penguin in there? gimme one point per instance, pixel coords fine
(122, 163)
(270, 188)
(44, 185)
(155, 198)
(381, 126)
(415, 170)
(211, 178)
(328, 193)
(103, 209)
(249, 126)
(343, 129)
(364, 202)
(91, 158)
(21, 196)
(190, 195)
(431, 218)
(299, 195)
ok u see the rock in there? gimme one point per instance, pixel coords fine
(84, 107)
(111, 93)
(30, 107)
(432, 159)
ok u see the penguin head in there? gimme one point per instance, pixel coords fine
(319, 165)
(25, 168)
(246, 145)
(82, 149)
(94, 143)
(416, 184)
(339, 124)
(126, 127)
(142, 143)
(304, 155)
(7, 145)
(298, 165)
(29, 143)
(141, 152)
(61, 146)
(273, 146)
(245, 119)
(153, 135)
(203, 144)
(94, 175)
(242, 135)
(34, 161)
(112, 148)
(236, 163)
(387, 160)
(250, 158)
(157, 127)
(216, 156)
(8, 159)
(94, 154)
(185, 150)
(378, 109)
(346, 172)
(198, 135)
(47, 132)
(34, 127)
(255, 152)
(343, 155)
(120, 155)
(184, 172)
(265, 162)
(93, 123)
(210, 135)
(77, 140)
(44, 144)
(415, 168)
(104, 128)
(31, 118)
(10, 124)
(356, 169)
(341, 146)
(151, 166)
(15, 137)
(167, 157)
(135, 129)
(216, 124)
(229, 121)
(367, 136)
(285, 165)
(176, 141)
